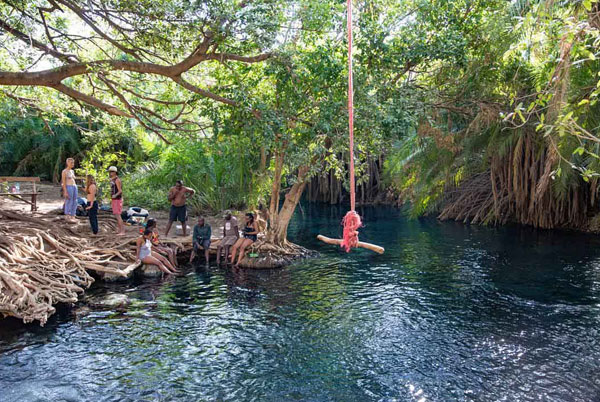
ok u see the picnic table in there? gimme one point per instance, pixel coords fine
(20, 195)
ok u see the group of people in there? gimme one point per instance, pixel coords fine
(231, 244)
(149, 249)
(70, 194)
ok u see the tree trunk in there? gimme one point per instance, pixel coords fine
(276, 187)
(277, 233)
(263, 160)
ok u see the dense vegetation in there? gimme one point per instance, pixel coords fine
(481, 110)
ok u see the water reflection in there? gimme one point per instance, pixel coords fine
(450, 312)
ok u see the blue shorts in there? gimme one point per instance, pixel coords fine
(178, 213)
(204, 243)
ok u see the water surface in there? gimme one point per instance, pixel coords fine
(449, 312)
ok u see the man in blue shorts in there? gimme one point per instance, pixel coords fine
(178, 194)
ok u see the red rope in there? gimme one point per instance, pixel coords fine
(351, 224)
(352, 220)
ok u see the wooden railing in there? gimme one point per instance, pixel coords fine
(19, 196)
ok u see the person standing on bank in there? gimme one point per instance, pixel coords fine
(92, 204)
(178, 195)
(69, 189)
(116, 195)
(231, 234)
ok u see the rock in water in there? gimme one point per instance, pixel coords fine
(81, 312)
(151, 271)
(111, 300)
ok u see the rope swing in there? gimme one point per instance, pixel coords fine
(351, 221)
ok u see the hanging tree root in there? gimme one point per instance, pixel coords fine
(42, 264)
(517, 188)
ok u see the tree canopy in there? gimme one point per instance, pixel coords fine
(493, 96)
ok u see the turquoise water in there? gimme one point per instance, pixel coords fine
(449, 312)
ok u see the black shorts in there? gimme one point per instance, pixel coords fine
(205, 245)
(178, 213)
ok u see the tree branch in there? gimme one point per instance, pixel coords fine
(90, 100)
(35, 43)
(191, 87)
(81, 14)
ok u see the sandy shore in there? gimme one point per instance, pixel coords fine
(51, 202)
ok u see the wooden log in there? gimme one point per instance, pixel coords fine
(116, 277)
(132, 267)
(368, 246)
(18, 179)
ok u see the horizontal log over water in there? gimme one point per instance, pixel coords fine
(361, 244)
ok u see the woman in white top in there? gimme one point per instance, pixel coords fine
(145, 255)
(69, 188)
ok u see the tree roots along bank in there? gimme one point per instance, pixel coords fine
(44, 261)
(518, 188)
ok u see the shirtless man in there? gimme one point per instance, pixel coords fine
(69, 189)
(178, 195)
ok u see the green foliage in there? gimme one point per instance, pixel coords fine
(32, 145)
(441, 88)
(220, 173)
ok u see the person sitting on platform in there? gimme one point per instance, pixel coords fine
(145, 255)
(178, 194)
(230, 235)
(250, 236)
(201, 237)
(163, 249)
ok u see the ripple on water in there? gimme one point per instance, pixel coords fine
(450, 312)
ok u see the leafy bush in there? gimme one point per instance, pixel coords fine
(219, 172)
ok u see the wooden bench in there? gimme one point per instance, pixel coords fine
(19, 196)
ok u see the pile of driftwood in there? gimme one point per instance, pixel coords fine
(44, 261)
